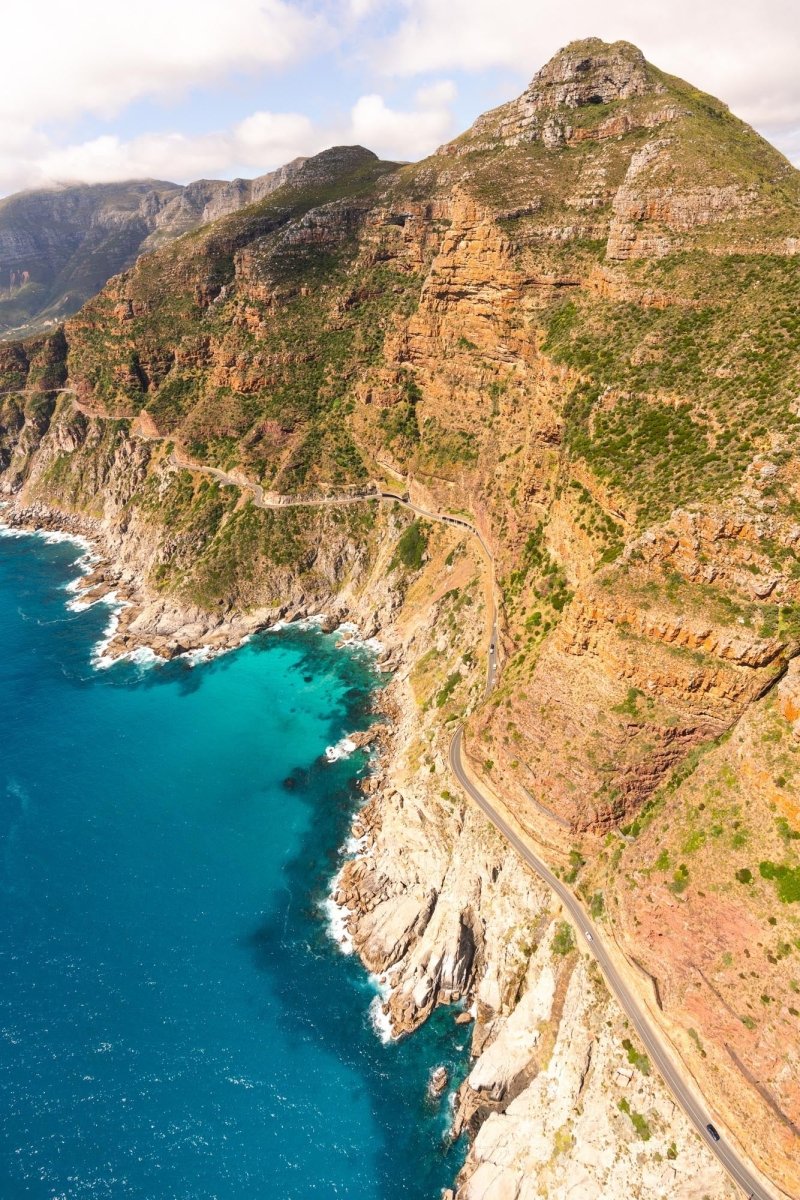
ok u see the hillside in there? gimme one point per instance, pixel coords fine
(60, 246)
(577, 324)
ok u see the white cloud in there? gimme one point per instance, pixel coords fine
(436, 95)
(94, 58)
(259, 143)
(262, 141)
(744, 53)
(361, 8)
(62, 59)
(399, 134)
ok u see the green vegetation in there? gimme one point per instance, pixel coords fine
(637, 1120)
(450, 685)
(785, 831)
(399, 423)
(673, 401)
(563, 939)
(680, 880)
(786, 879)
(443, 450)
(576, 861)
(412, 547)
(628, 707)
(635, 1058)
(562, 1141)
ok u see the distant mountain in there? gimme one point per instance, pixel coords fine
(59, 246)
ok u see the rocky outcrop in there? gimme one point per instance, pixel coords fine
(586, 73)
(583, 1121)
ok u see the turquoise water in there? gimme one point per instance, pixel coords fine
(175, 1020)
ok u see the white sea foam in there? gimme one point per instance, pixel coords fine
(204, 654)
(303, 623)
(79, 604)
(381, 1022)
(54, 536)
(143, 656)
(51, 536)
(354, 845)
(336, 921)
(200, 654)
(343, 749)
(354, 640)
(100, 660)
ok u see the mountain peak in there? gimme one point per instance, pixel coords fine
(585, 74)
(592, 72)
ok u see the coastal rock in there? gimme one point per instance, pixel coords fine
(438, 1082)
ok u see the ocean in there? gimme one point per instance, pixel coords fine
(176, 1018)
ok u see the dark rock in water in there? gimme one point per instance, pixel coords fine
(296, 780)
(308, 679)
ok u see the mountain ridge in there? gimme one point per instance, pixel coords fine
(579, 328)
(60, 245)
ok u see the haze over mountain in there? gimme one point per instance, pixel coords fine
(59, 246)
(575, 327)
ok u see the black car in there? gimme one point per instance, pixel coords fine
(713, 1132)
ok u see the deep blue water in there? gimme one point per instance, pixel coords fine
(175, 1021)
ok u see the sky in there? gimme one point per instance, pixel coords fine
(99, 90)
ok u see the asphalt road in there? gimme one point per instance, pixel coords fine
(699, 1117)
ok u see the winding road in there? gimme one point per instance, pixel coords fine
(652, 1038)
(684, 1096)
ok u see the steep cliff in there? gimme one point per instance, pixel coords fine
(576, 325)
(59, 246)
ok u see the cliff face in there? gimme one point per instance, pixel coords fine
(577, 324)
(60, 246)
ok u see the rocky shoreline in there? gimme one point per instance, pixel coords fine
(440, 913)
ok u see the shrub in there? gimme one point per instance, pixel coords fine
(638, 1121)
(411, 547)
(786, 879)
(680, 880)
(446, 692)
(564, 939)
(640, 1061)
